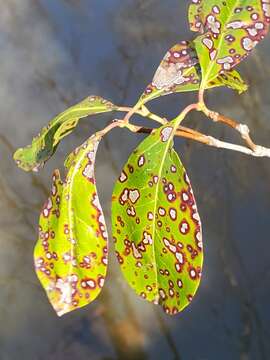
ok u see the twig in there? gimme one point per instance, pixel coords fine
(144, 112)
(187, 133)
(241, 128)
(259, 151)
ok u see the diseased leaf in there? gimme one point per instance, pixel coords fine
(230, 30)
(71, 252)
(180, 71)
(34, 156)
(156, 226)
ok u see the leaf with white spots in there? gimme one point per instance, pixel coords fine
(34, 156)
(71, 254)
(230, 29)
(156, 226)
(180, 71)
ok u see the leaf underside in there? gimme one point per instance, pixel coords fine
(229, 30)
(180, 71)
(71, 254)
(34, 156)
(156, 226)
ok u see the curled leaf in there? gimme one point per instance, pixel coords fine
(34, 156)
(229, 32)
(156, 226)
(71, 254)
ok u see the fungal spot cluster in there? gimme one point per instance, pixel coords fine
(130, 196)
(166, 133)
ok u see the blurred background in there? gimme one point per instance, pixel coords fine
(55, 53)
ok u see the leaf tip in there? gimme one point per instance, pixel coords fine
(25, 159)
(243, 89)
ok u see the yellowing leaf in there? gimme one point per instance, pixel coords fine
(71, 254)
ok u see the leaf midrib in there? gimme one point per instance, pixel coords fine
(70, 196)
(157, 197)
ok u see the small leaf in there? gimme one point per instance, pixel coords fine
(34, 156)
(231, 79)
(71, 252)
(180, 71)
(230, 30)
(156, 226)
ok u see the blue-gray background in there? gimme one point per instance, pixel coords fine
(53, 54)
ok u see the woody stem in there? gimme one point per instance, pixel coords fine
(241, 128)
(185, 132)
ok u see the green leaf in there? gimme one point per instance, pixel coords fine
(34, 156)
(180, 71)
(156, 226)
(230, 30)
(71, 252)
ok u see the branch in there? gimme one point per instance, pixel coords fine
(260, 151)
(185, 132)
(241, 128)
(202, 138)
